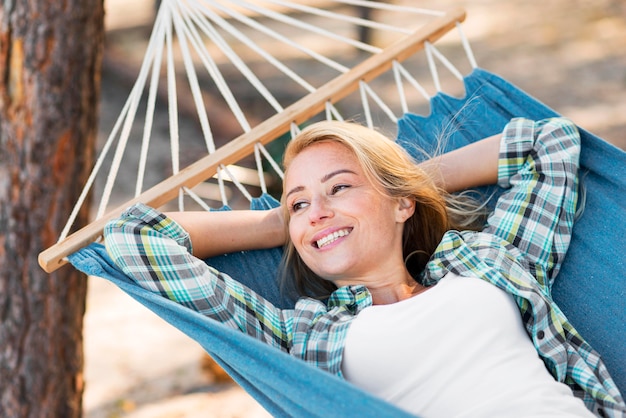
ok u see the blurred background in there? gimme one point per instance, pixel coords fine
(570, 54)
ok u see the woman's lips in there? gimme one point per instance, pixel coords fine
(331, 237)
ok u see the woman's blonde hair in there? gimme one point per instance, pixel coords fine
(387, 165)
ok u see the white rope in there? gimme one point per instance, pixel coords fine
(466, 46)
(432, 66)
(236, 182)
(391, 7)
(402, 73)
(295, 129)
(271, 160)
(446, 62)
(366, 106)
(306, 26)
(222, 187)
(241, 66)
(343, 18)
(173, 103)
(129, 117)
(219, 41)
(181, 200)
(328, 111)
(397, 76)
(147, 130)
(184, 32)
(119, 151)
(332, 112)
(283, 39)
(259, 167)
(255, 47)
(94, 173)
(172, 100)
(197, 199)
(368, 92)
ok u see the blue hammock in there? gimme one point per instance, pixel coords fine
(590, 289)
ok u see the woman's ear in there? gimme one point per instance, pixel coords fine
(405, 209)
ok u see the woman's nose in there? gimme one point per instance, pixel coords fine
(320, 209)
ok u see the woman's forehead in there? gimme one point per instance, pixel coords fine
(321, 156)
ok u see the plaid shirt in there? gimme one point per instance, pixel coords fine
(520, 251)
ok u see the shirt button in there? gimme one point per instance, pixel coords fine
(540, 335)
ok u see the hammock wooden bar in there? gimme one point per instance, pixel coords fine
(265, 132)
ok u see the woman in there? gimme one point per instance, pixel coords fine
(394, 297)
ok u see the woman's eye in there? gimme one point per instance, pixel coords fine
(339, 187)
(296, 206)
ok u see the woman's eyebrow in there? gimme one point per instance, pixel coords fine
(336, 172)
(324, 179)
(294, 190)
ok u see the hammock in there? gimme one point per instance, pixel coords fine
(586, 290)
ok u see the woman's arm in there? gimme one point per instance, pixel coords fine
(220, 232)
(537, 165)
(154, 251)
(471, 166)
(538, 168)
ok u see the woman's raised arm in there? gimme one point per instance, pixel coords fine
(220, 232)
(471, 166)
(537, 165)
(153, 250)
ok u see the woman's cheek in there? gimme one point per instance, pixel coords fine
(294, 233)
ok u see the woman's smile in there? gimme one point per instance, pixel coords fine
(329, 238)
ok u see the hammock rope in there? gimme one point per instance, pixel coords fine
(186, 34)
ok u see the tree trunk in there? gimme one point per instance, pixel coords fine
(50, 56)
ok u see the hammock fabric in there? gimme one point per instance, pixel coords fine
(590, 288)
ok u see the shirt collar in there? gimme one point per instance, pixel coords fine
(354, 298)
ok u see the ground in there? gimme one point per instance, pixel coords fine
(568, 53)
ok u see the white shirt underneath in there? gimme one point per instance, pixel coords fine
(458, 349)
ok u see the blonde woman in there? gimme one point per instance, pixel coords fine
(397, 295)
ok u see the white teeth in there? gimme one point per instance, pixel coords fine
(332, 237)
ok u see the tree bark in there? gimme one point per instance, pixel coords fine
(50, 58)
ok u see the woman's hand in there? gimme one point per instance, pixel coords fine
(471, 166)
(221, 232)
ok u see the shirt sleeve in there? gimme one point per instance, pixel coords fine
(538, 167)
(155, 252)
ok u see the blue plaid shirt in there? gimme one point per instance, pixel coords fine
(520, 251)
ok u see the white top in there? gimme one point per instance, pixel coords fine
(458, 349)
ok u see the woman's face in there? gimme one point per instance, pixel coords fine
(343, 227)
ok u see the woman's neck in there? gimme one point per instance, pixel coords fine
(387, 294)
